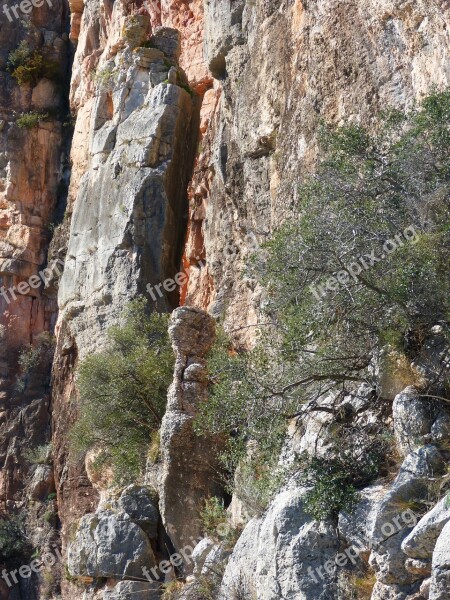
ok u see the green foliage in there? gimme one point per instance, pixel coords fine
(13, 543)
(19, 56)
(31, 119)
(123, 393)
(171, 590)
(41, 455)
(369, 187)
(236, 410)
(106, 76)
(213, 515)
(155, 447)
(333, 483)
(29, 66)
(216, 525)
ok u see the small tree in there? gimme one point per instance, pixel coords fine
(362, 264)
(123, 393)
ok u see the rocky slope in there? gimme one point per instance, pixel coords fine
(193, 123)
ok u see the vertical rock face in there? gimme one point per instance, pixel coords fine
(189, 468)
(127, 198)
(279, 68)
(31, 176)
(194, 122)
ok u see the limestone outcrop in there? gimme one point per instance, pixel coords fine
(168, 137)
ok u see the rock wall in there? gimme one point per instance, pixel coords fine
(279, 68)
(193, 123)
(132, 154)
(32, 194)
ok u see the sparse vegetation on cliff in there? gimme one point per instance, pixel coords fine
(123, 393)
(31, 119)
(29, 66)
(13, 542)
(364, 263)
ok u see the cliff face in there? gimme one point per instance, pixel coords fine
(32, 182)
(193, 124)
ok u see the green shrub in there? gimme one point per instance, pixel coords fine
(123, 393)
(13, 543)
(31, 119)
(19, 56)
(213, 516)
(29, 66)
(368, 188)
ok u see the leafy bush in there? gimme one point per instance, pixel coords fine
(29, 66)
(213, 515)
(171, 590)
(123, 393)
(320, 333)
(19, 55)
(31, 119)
(13, 543)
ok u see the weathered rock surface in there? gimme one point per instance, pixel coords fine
(132, 156)
(139, 504)
(133, 590)
(189, 468)
(280, 67)
(109, 545)
(418, 420)
(421, 541)
(394, 520)
(440, 579)
(276, 556)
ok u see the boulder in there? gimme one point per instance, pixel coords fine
(138, 503)
(109, 545)
(440, 576)
(42, 482)
(284, 554)
(357, 526)
(395, 592)
(395, 520)
(133, 590)
(421, 541)
(413, 418)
